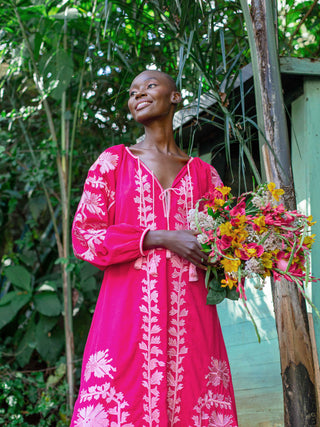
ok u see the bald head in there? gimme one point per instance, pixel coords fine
(156, 73)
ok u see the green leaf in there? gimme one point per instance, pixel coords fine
(10, 304)
(58, 375)
(215, 297)
(49, 344)
(47, 303)
(18, 276)
(57, 70)
(232, 294)
(26, 345)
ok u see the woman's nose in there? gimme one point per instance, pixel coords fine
(140, 93)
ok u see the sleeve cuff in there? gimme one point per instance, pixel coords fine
(143, 235)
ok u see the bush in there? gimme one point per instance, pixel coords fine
(30, 399)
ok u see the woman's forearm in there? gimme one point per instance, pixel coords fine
(156, 239)
(181, 242)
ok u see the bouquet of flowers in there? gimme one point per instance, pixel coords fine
(252, 236)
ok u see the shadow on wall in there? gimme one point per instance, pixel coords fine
(255, 366)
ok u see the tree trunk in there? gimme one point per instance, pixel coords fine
(297, 366)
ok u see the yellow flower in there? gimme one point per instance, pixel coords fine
(309, 240)
(228, 281)
(239, 235)
(276, 193)
(224, 190)
(218, 203)
(226, 228)
(241, 219)
(266, 259)
(310, 220)
(260, 222)
(231, 265)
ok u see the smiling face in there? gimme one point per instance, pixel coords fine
(152, 95)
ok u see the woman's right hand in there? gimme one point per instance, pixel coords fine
(182, 242)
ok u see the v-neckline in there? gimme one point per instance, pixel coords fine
(154, 175)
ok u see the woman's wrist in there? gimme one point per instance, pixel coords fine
(156, 239)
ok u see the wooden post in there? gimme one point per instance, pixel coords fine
(297, 368)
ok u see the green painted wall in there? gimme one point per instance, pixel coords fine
(255, 367)
(306, 171)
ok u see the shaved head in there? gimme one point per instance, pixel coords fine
(156, 73)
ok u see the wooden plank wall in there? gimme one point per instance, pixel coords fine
(255, 366)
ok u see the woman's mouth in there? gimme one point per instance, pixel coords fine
(142, 105)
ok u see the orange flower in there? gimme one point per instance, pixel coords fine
(276, 193)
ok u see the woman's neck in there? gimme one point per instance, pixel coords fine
(160, 138)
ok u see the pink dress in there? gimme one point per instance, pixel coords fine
(155, 355)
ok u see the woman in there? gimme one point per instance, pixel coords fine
(155, 354)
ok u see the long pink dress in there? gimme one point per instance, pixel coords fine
(155, 355)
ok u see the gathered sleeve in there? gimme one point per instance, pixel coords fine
(95, 237)
(213, 179)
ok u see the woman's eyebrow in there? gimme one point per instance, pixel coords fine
(147, 79)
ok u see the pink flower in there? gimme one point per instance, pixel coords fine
(238, 209)
(252, 250)
(224, 243)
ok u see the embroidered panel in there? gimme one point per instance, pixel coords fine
(214, 409)
(150, 344)
(176, 341)
(96, 201)
(95, 415)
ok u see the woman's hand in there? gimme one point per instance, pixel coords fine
(182, 242)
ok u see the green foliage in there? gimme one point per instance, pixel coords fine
(299, 25)
(31, 398)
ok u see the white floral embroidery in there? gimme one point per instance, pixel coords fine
(215, 178)
(99, 365)
(106, 161)
(220, 420)
(90, 238)
(218, 372)
(92, 416)
(176, 342)
(144, 200)
(96, 181)
(184, 203)
(92, 202)
(207, 405)
(150, 343)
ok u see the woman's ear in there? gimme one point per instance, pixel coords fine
(176, 97)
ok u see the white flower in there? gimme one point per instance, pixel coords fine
(253, 266)
(202, 220)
